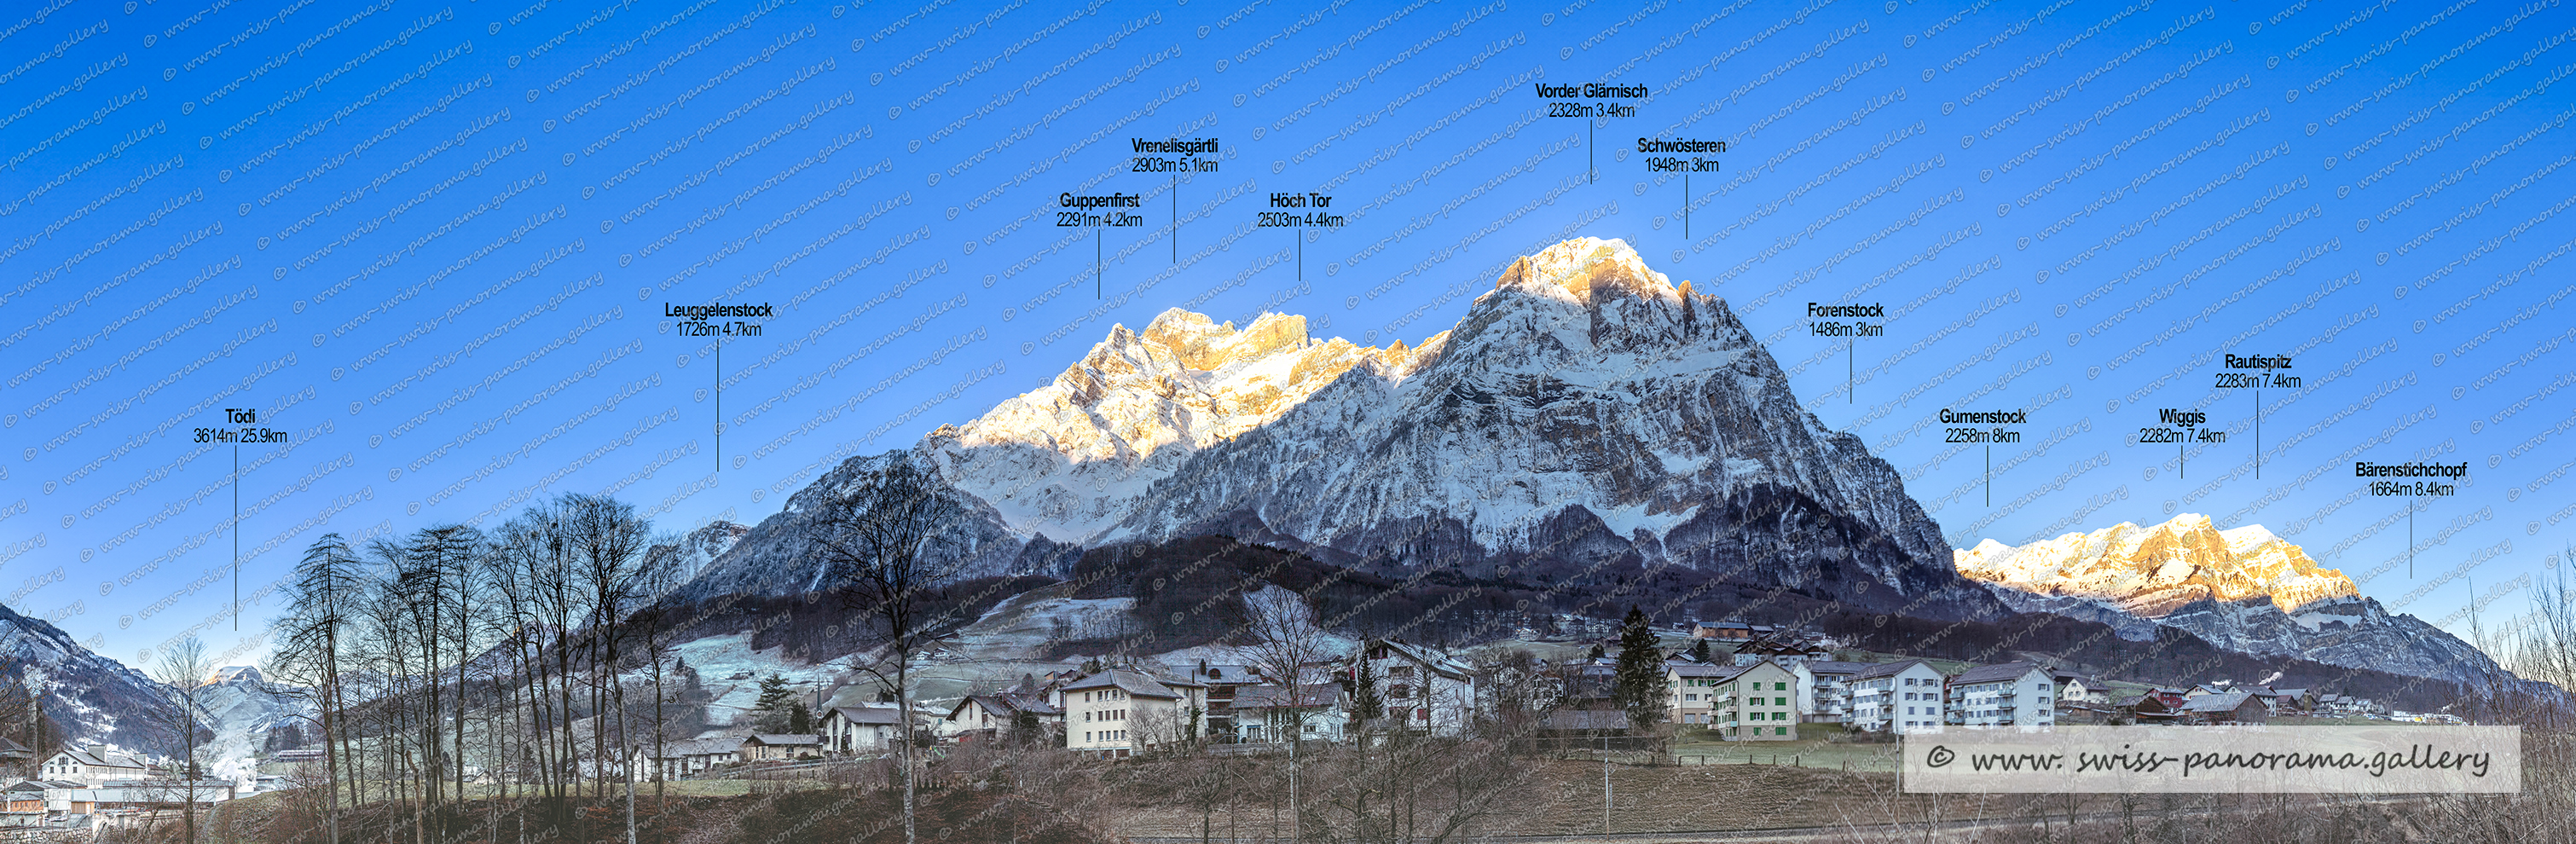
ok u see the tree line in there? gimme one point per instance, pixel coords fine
(540, 649)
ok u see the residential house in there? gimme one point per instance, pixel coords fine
(13, 755)
(1266, 713)
(1583, 723)
(1900, 697)
(1756, 703)
(64, 797)
(1730, 630)
(1423, 689)
(2292, 701)
(858, 729)
(291, 761)
(2225, 708)
(1223, 681)
(1692, 690)
(1824, 690)
(1001, 715)
(2148, 708)
(93, 765)
(762, 747)
(1787, 655)
(685, 758)
(162, 793)
(1119, 711)
(1587, 683)
(2011, 694)
(2072, 687)
(26, 801)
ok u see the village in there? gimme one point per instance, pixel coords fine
(1726, 682)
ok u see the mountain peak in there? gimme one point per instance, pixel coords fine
(1067, 456)
(1586, 268)
(2151, 571)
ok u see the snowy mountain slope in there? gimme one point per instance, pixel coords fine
(2242, 589)
(245, 709)
(95, 699)
(776, 557)
(1585, 411)
(690, 555)
(1069, 458)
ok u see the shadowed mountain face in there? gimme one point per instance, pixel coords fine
(2242, 589)
(1585, 414)
(92, 698)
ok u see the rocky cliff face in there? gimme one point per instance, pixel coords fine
(1069, 459)
(1586, 412)
(2243, 589)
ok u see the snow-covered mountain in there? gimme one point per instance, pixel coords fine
(250, 715)
(93, 698)
(2243, 589)
(1071, 458)
(1586, 410)
(690, 554)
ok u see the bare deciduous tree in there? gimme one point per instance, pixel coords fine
(880, 537)
(182, 670)
(1284, 639)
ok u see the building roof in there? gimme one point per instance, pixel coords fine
(1433, 660)
(1996, 673)
(1134, 682)
(1004, 704)
(2219, 702)
(867, 714)
(784, 739)
(1275, 696)
(110, 759)
(1891, 669)
(700, 747)
(1230, 673)
(41, 785)
(1585, 719)
(1827, 666)
(1701, 669)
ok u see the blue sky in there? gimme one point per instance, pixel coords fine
(434, 243)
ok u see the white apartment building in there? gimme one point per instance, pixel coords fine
(1692, 690)
(1123, 710)
(1824, 690)
(1422, 689)
(1756, 703)
(1901, 697)
(2011, 694)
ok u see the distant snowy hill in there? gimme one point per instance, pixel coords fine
(2242, 589)
(246, 710)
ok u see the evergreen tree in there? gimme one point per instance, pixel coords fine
(1366, 704)
(1699, 650)
(1639, 686)
(772, 706)
(1597, 652)
(799, 719)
